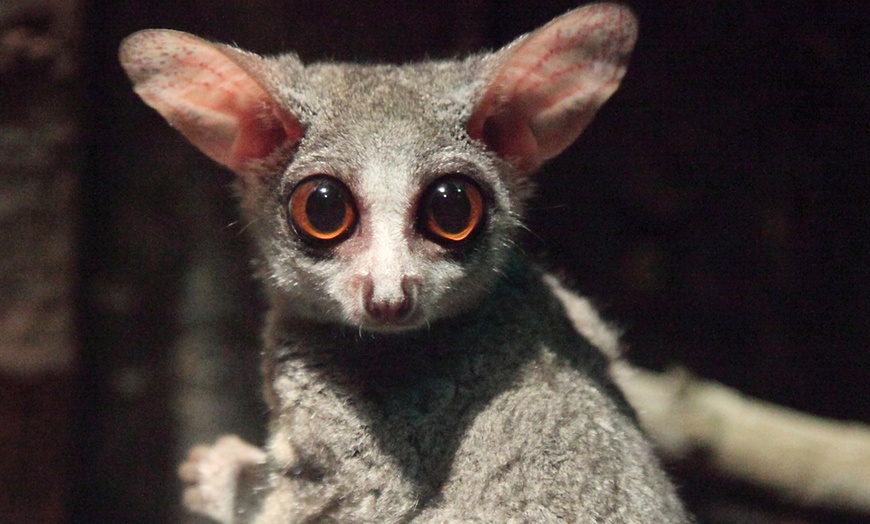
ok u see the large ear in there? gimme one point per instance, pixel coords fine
(547, 85)
(210, 94)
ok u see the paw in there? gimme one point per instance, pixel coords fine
(211, 474)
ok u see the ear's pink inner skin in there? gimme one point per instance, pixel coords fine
(207, 96)
(552, 84)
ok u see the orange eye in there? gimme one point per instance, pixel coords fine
(322, 211)
(451, 210)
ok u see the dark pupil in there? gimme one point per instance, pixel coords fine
(449, 207)
(325, 208)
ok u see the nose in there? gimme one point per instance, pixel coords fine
(389, 306)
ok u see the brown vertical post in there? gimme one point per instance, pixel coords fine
(39, 177)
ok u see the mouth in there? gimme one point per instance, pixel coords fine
(410, 323)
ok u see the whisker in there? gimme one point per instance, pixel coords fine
(244, 228)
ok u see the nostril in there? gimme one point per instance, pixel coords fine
(387, 311)
(389, 308)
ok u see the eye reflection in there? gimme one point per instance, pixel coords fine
(451, 210)
(322, 210)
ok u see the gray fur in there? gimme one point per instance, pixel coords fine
(374, 127)
(484, 404)
(506, 415)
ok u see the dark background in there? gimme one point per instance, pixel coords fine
(717, 210)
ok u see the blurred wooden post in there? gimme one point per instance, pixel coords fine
(39, 180)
